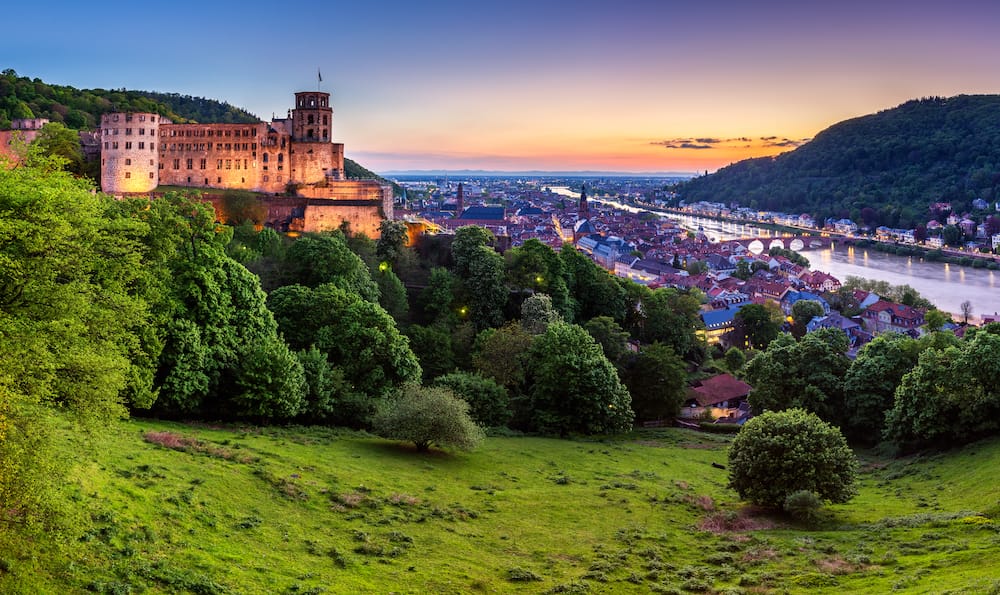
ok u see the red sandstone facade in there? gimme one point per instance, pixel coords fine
(140, 151)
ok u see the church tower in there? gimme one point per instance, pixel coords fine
(460, 201)
(584, 210)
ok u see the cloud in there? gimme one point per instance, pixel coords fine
(741, 142)
(709, 141)
(784, 142)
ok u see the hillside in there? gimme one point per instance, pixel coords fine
(80, 109)
(178, 508)
(896, 162)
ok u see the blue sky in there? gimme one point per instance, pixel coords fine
(529, 85)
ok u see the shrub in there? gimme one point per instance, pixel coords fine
(426, 416)
(803, 506)
(779, 453)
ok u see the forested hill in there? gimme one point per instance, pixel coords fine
(897, 162)
(80, 109)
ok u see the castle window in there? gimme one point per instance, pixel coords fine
(202, 163)
(310, 119)
(128, 117)
(161, 166)
(279, 177)
(190, 165)
(229, 164)
(142, 132)
(325, 120)
(245, 164)
(309, 133)
(211, 133)
(218, 180)
(150, 175)
(177, 163)
(142, 118)
(151, 162)
(265, 168)
(128, 145)
(114, 145)
(281, 157)
(218, 146)
(187, 133)
(116, 119)
(128, 175)
(142, 145)
(324, 133)
(253, 146)
(115, 132)
(265, 177)
(229, 147)
(237, 164)
(128, 132)
(312, 102)
(152, 118)
(206, 181)
(265, 156)
(189, 179)
(105, 144)
(218, 164)
(152, 132)
(128, 162)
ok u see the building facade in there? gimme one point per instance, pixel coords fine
(295, 155)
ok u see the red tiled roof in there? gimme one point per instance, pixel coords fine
(719, 388)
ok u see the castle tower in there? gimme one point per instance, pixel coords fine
(312, 118)
(129, 159)
(584, 209)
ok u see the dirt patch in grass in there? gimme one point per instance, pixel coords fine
(748, 518)
(837, 565)
(175, 441)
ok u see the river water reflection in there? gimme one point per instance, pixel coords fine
(945, 285)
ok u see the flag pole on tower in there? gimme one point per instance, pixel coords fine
(319, 77)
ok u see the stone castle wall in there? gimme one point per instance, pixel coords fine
(129, 157)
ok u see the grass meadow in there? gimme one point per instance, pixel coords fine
(174, 508)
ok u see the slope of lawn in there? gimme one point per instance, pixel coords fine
(173, 508)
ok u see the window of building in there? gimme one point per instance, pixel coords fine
(128, 145)
(229, 164)
(177, 163)
(152, 132)
(150, 175)
(116, 117)
(128, 117)
(115, 132)
(244, 164)
(128, 175)
(142, 145)
(152, 118)
(218, 164)
(128, 162)
(114, 145)
(324, 133)
(265, 177)
(142, 118)
(142, 132)
(190, 165)
(279, 177)
(151, 162)
(326, 120)
(310, 120)
(218, 180)
(265, 156)
(237, 164)
(281, 157)
(309, 133)
(189, 179)
(105, 144)
(202, 163)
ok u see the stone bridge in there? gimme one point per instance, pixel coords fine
(796, 243)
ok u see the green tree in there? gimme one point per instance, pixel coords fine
(55, 139)
(671, 317)
(313, 260)
(427, 416)
(574, 388)
(465, 248)
(486, 288)
(657, 380)
(593, 292)
(950, 397)
(804, 374)
(391, 241)
(535, 268)
(391, 294)
(777, 454)
(501, 354)
(432, 346)
(537, 313)
(934, 320)
(270, 381)
(357, 336)
(438, 298)
(326, 388)
(735, 359)
(803, 311)
(870, 383)
(612, 338)
(952, 235)
(489, 404)
(757, 324)
(743, 271)
(71, 322)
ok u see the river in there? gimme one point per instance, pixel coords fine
(945, 285)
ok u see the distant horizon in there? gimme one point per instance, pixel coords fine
(537, 173)
(523, 85)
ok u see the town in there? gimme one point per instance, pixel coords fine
(623, 233)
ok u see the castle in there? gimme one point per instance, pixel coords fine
(142, 151)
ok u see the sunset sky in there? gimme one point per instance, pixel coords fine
(662, 86)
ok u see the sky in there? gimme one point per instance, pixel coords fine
(631, 86)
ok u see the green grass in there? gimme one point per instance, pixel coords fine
(248, 510)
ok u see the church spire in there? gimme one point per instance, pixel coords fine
(583, 200)
(460, 201)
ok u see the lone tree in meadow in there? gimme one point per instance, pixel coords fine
(427, 416)
(778, 454)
